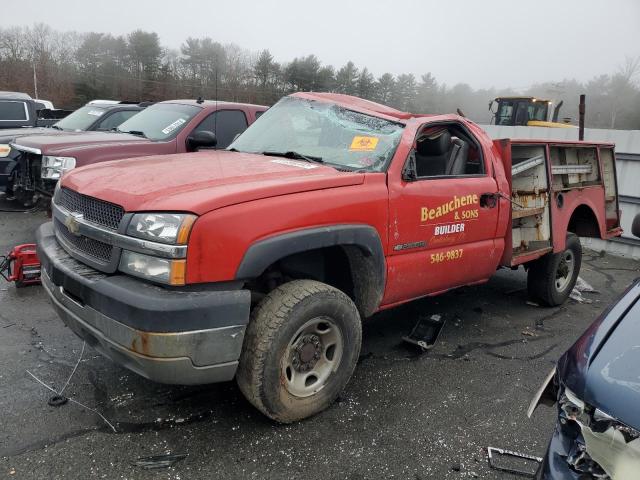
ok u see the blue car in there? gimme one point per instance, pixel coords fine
(596, 386)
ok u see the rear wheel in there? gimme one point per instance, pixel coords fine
(552, 277)
(300, 349)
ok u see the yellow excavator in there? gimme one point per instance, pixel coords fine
(526, 111)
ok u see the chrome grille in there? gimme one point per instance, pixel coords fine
(96, 211)
(88, 246)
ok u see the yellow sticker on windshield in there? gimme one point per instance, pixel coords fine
(364, 144)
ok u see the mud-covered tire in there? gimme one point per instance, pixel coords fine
(548, 281)
(275, 329)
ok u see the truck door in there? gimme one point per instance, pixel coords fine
(443, 216)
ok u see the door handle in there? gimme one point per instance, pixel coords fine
(489, 200)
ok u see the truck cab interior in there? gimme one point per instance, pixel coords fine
(446, 150)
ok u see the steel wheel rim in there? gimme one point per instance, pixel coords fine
(302, 373)
(564, 273)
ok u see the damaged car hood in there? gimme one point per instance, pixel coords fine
(202, 181)
(603, 366)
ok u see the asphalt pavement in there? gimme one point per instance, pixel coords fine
(404, 415)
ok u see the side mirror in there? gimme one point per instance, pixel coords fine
(201, 139)
(409, 173)
(635, 226)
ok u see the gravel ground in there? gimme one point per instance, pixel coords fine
(404, 415)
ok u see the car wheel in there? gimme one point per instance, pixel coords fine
(300, 349)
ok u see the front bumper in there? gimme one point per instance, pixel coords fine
(554, 465)
(177, 337)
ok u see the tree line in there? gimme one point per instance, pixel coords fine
(73, 68)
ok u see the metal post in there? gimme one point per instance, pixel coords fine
(581, 109)
(35, 80)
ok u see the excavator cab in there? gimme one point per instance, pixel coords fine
(526, 111)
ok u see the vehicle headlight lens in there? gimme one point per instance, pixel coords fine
(162, 227)
(161, 270)
(54, 167)
(571, 405)
(4, 150)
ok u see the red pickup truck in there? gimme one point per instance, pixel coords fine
(174, 126)
(261, 261)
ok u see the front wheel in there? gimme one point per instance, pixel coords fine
(552, 277)
(300, 349)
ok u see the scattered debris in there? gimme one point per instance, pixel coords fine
(580, 287)
(10, 325)
(529, 333)
(532, 304)
(493, 453)
(57, 400)
(74, 401)
(515, 290)
(159, 461)
(74, 369)
(577, 296)
(583, 286)
(425, 332)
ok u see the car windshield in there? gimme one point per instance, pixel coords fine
(323, 132)
(160, 121)
(81, 119)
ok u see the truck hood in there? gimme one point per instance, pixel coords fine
(7, 135)
(74, 143)
(203, 181)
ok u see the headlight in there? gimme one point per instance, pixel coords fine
(161, 270)
(54, 167)
(571, 405)
(4, 150)
(162, 227)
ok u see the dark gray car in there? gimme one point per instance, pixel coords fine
(596, 385)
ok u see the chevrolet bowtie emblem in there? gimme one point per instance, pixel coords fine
(72, 223)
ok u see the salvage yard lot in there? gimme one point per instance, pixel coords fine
(403, 415)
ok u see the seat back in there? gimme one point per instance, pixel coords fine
(432, 155)
(457, 163)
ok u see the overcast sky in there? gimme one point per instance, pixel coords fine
(481, 42)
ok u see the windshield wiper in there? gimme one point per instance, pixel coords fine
(295, 156)
(56, 127)
(137, 133)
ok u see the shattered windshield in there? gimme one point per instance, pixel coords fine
(322, 132)
(81, 119)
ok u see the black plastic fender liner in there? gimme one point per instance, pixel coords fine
(265, 252)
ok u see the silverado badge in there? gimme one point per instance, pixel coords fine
(72, 224)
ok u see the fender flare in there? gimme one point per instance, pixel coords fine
(265, 252)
